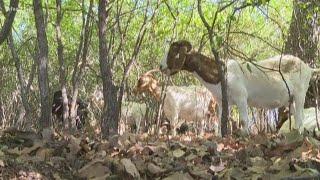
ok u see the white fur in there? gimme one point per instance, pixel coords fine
(186, 103)
(133, 113)
(263, 88)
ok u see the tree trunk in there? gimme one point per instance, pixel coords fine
(77, 80)
(109, 122)
(45, 119)
(221, 71)
(302, 42)
(20, 74)
(304, 28)
(6, 28)
(80, 47)
(62, 74)
(21, 77)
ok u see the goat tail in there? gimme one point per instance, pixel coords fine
(316, 71)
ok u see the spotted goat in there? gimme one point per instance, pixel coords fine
(257, 85)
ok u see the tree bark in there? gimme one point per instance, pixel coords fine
(80, 47)
(45, 119)
(109, 122)
(62, 71)
(302, 42)
(20, 74)
(21, 77)
(221, 71)
(302, 39)
(77, 80)
(7, 25)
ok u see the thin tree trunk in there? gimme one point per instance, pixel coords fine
(62, 74)
(80, 47)
(21, 77)
(45, 119)
(87, 34)
(136, 51)
(6, 28)
(109, 122)
(20, 74)
(221, 71)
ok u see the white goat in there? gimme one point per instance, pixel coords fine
(132, 113)
(259, 85)
(188, 103)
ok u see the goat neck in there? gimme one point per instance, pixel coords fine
(155, 91)
(204, 66)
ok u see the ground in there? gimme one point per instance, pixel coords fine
(26, 155)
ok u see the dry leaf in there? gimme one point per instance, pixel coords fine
(94, 169)
(218, 168)
(74, 145)
(130, 168)
(178, 176)
(1, 153)
(178, 153)
(56, 176)
(154, 169)
(1, 163)
(44, 153)
(26, 150)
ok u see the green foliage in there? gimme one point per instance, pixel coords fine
(268, 21)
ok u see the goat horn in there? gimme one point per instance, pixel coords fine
(152, 70)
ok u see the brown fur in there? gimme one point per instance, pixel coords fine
(180, 57)
(148, 84)
(213, 107)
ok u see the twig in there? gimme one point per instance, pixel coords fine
(289, 92)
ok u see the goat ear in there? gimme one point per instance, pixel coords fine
(185, 44)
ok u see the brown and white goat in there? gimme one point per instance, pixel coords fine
(187, 103)
(259, 85)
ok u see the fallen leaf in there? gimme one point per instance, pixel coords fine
(94, 169)
(74, 145)
(218, 168)
(26, 150)
(1, 153)
(130, 168)
(1, 163)
(191, 157)
(56, 176)
(178, 176)
(154, 169)
(44, 153)
(178, 153)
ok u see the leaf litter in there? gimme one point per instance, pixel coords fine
(26, 155)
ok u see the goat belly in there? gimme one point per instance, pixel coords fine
(271, 93)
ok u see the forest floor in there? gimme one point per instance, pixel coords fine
(26, 155)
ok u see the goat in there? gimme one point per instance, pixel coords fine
(259, 85)
(186, 103)
(57, 108)
(132, 113)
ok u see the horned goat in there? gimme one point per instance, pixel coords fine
(188, 103)
(260, 85)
